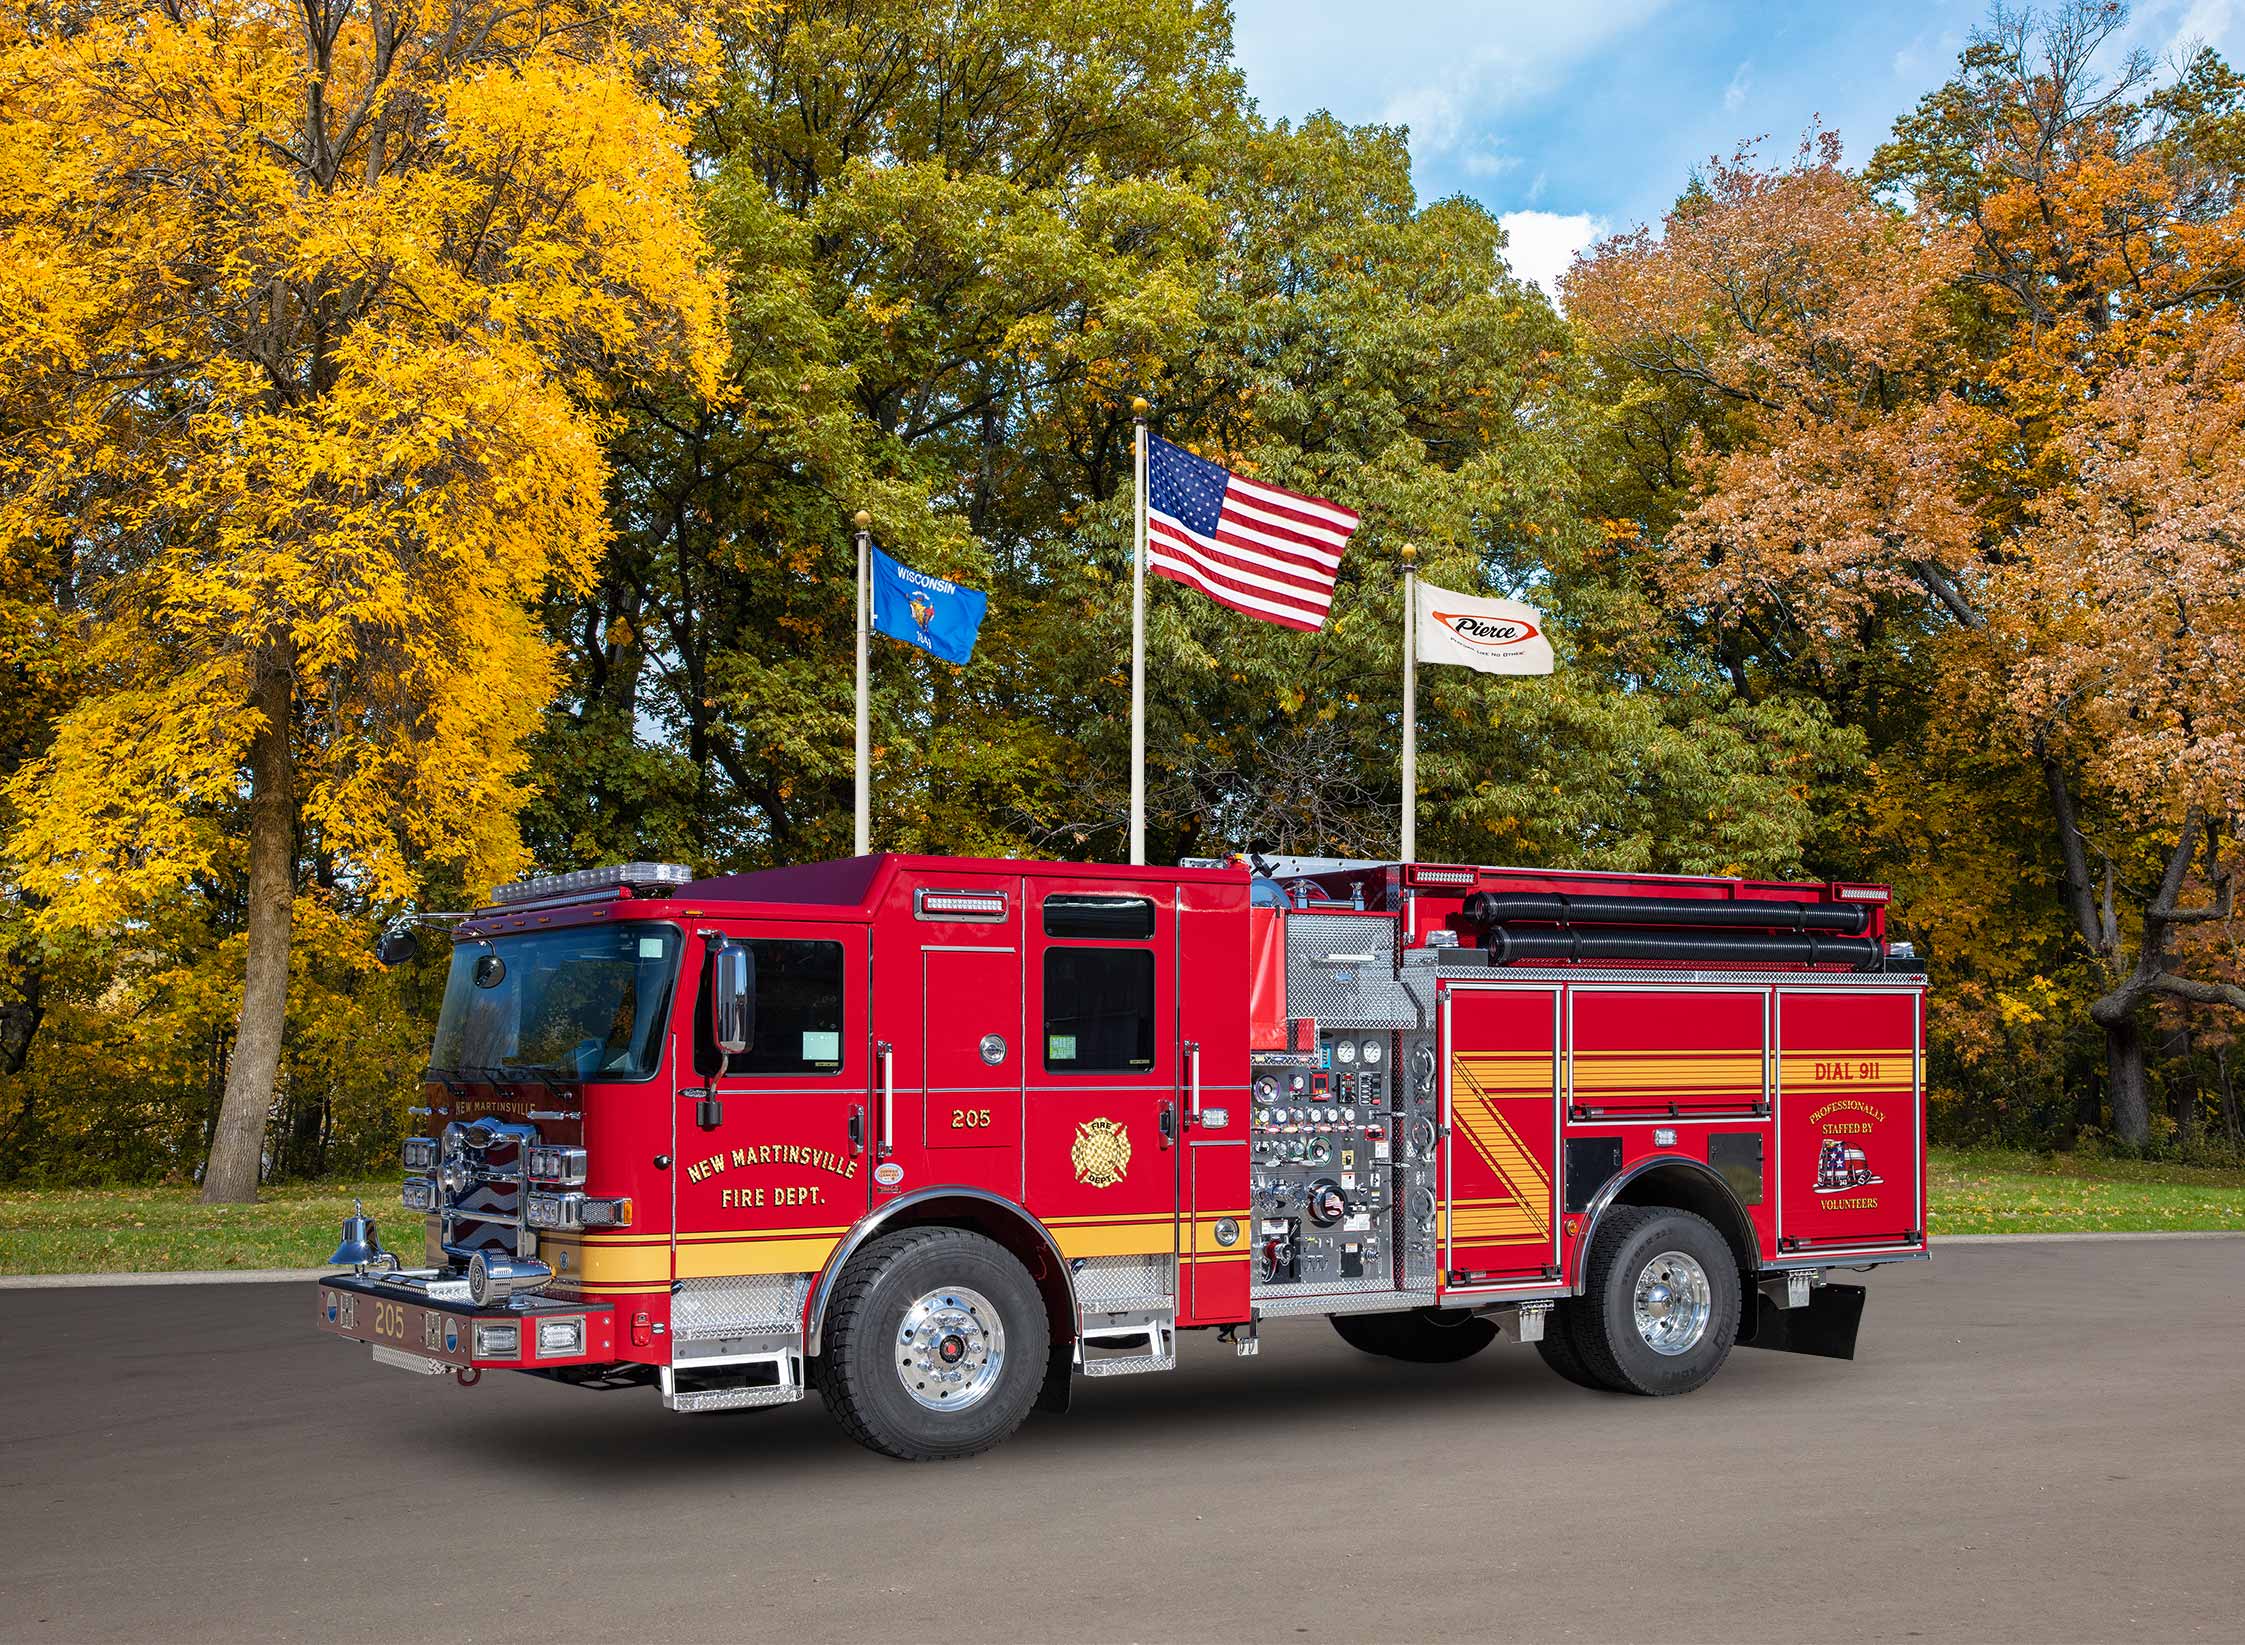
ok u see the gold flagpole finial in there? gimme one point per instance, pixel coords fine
(1410, 552)
(863, 520)
(1139, 407)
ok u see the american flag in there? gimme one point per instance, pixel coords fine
(1270, 553)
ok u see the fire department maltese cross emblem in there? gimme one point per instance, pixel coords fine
(1100, 1153)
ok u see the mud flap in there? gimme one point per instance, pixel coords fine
(1826, 1326)
(1060, 1367)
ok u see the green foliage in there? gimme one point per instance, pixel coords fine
(957, 245)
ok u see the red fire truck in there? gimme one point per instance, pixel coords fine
(934, 1136)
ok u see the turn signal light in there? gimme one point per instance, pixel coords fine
(605, 1213)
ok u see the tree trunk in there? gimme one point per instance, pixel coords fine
(2229, 1098)
(2124, 1079)
(238, 1144)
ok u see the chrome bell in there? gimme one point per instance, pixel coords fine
(361, 1244)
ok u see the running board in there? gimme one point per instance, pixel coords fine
(1149, 1341)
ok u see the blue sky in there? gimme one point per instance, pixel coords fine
(1571, 120)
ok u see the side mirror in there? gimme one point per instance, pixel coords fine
(398, 945)
(732, 998)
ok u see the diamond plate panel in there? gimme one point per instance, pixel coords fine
(1340, 968)
(738, 1305)
(1104, 1284)
(1386, 1300)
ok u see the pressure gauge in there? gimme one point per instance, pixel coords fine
(1371, 1052)
(1266, 1090)
(1344, 1051)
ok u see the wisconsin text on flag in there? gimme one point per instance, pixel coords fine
(1270, 553)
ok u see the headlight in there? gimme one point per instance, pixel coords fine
(420, 1194)
(552, 1210)
(563, 1165)
(420, 1153)
(559, 1338)
(498, 1339)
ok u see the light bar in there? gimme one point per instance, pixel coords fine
(960, 905)
(1441, 873)
(1862, 893)
(577, 882)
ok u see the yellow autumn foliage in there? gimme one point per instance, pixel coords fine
(307, 320)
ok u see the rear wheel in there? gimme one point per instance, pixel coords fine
(935, 1345)
(1659, 1309)
(1557, 1348)
(1428, 1336)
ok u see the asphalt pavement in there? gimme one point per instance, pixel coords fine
(2038, 1442)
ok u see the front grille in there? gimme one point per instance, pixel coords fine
(480, 1188)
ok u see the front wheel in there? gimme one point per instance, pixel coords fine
(1659, 1309)
(935, 1345)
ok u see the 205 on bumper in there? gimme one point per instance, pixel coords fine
(409, 1328)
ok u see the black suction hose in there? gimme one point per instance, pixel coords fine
(1511, 908)
(1509, 945)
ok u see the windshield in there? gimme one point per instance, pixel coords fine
(587, 1002)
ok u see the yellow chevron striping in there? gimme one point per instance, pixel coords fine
(1507, 1158)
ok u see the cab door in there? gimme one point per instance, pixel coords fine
(1102, 1079)
(771, 1167)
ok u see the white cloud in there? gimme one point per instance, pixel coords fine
(1540, 244)
(1734, 94)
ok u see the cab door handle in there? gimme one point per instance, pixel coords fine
(1168, 1123)
(857, 1132)
(884, 1142)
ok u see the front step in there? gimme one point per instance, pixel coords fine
(711, 1390)
(730, 1399)
(1150, 1335)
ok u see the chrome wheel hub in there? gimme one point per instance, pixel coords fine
(1673, 1302)
(950, 1349)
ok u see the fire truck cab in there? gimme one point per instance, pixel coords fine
(933, 1136)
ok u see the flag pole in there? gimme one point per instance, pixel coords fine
(864, 524)
(1410, 706)
(1138, 410)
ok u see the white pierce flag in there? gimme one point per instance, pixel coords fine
(1494, 636)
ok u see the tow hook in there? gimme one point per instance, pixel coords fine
(468, 1375)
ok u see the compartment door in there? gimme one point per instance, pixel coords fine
(1500, 1108)
(1850, 1137)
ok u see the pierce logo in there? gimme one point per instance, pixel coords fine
(1488, 633)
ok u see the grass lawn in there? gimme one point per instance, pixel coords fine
(1991, 1192)
(118, 1230)
(86, 1230)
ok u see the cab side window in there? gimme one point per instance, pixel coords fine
(1099, 1001)
(799, 1016)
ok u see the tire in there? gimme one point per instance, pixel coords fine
(1363, 1332)
(972, 1304)
(1689, 1273)
(1428, 1336)
(1557, 1349)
